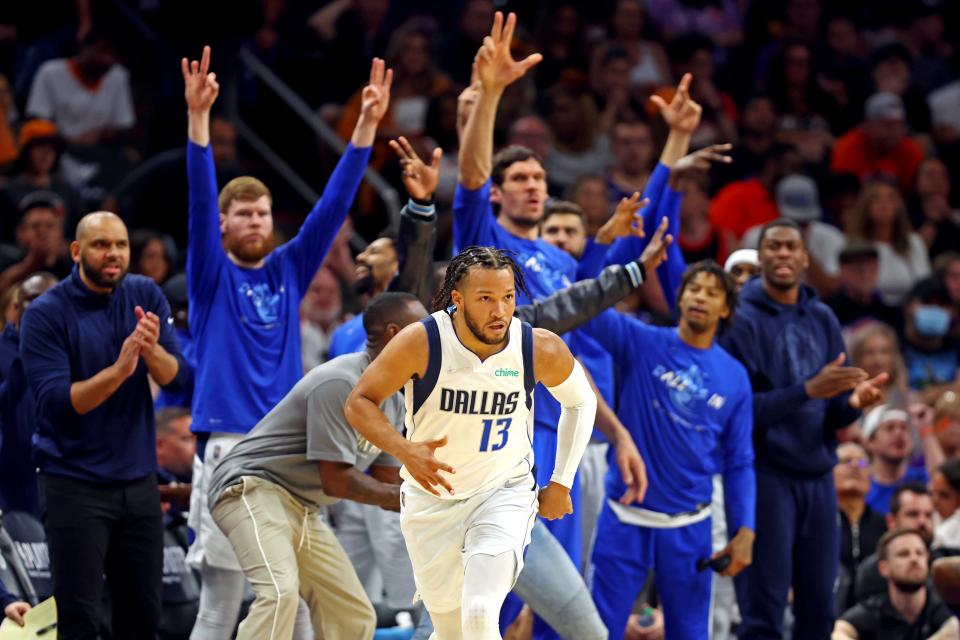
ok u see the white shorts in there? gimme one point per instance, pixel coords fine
(442, 535)
(209, 543)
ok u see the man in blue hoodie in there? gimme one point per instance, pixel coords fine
(791, 346)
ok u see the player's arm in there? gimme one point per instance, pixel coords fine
(343, 480)
(403, 358)
(308, 249)
(496, 70)
(739, 482)
(631, 465)
(564, 377)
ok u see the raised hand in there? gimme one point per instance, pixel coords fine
(375, 98)
(625, 220)
(682, 114)
(423, 465)
(700, 160)
(555, 501)
(200, 84)
(655, 253)
(466, 100)
(419, 179)
(496, 68)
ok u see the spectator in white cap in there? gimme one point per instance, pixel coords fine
(798, 200)
(888, 434)
(742, 264)
(880, 146)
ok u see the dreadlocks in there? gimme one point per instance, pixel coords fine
(483, 257)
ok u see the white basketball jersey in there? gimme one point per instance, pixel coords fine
(485, 408)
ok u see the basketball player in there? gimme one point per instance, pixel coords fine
(468, 374)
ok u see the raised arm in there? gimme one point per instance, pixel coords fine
(564, 377)
(404, 357)
(308, 249)
(496, 70)
(204, 251)
(417, 235)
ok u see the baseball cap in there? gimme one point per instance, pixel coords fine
(798, 199)
(884, 106)
(881, 415)
(42, 198)
(37, 130)
(741, 256)
(858, 250)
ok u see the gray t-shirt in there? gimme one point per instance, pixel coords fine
(308, 425)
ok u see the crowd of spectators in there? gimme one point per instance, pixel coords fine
(844, 119)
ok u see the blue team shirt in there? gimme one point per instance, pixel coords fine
(690, 414)
(246, 321)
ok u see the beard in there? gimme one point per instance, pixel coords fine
(480, 334)
(908, 586)
(249, 251)
(99, 278)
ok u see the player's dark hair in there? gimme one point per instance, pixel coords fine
(505, 158)
(483, 257)
(912, 486)
(563, 207)
(725, 279)
(384, 309)
(779, 222)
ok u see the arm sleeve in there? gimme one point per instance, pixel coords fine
(329, 435)
(308, 249)
(739, 479)
(46, 362)
(578, 408)
(204, 249)
(577, 304)
(472, 218)
(670, 273)
(416, 239)
(169, 341)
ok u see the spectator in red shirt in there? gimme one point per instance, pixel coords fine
(880, 145)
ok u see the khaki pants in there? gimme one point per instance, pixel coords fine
(286, 553)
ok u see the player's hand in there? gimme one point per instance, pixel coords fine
(496, 68)
(834, 379)
(625, 220)
(682, 114)
(555, 501)
(200, 84)
(419, 179)
(869, 392)
(16, 610)
(423, 465)
(632, 470)
(375, 97)
(700, 160)
(655, 253)
(740, 550)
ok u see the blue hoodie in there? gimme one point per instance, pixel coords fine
(783, 346)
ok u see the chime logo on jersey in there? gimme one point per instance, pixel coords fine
(485, 403)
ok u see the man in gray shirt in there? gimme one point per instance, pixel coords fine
(301, 456)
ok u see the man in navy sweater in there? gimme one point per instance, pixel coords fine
(791, 346)
(88, 345)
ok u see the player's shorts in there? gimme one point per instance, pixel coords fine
(442, 535)
(209, 544)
